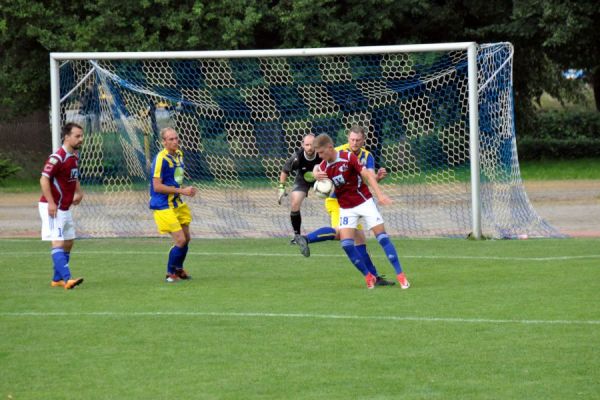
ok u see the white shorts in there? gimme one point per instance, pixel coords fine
(367, 210)
(59, 228)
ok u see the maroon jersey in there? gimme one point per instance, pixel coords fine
(62, 170)
(345, 174)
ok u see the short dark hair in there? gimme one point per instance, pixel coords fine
(322, 140)
(66, 130)
(358, 129)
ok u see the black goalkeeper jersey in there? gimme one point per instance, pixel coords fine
(298, 162)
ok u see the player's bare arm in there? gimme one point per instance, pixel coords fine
(369, 177)
(78, 196)
(47, 192)
(160, 187)
(381, 174)
(283, 177)
(319, 175)
(188, 191)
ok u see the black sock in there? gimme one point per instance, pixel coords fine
(296, 219)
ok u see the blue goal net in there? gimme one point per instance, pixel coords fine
(240, 118)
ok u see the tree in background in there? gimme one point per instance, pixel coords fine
(544, 45)
(571, 37)
(29, 31)
(7, 168)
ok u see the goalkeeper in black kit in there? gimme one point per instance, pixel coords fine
(303, 162)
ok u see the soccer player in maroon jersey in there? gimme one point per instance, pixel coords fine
(348, 176)
(60, 189)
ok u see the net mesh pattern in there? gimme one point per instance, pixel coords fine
(239, 119)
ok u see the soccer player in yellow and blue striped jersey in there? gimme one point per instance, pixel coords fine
(171, 214)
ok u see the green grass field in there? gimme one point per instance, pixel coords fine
(482, 320)
(546, 170)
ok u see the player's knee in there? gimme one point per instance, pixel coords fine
(360, 239)
(337, 234)
(181, 241)
(383, 239)
(347, 243)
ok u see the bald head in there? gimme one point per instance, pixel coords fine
(170, 139)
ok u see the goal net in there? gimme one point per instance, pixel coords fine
(240, 115)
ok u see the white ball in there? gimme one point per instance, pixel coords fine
(323, 188)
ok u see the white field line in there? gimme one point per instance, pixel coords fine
(201, 314)
(296, 255)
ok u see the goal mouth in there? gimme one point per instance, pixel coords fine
(240, 115)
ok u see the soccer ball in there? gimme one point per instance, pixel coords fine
(323, 188)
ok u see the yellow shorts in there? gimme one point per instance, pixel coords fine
(171, 219)
(333, 209)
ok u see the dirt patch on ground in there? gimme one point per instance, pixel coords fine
(19, 214)
(573, 207)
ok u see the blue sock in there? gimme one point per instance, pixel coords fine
(362, 250)
(390, 251)
(321, 234)
(56, 275)
(184, 251)
(354, 256)
(61, 264)
(175, 259)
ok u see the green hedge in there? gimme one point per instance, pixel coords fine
(7, 168)
(561, 134)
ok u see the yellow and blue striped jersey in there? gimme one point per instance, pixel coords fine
(170, 171)
(364, 156)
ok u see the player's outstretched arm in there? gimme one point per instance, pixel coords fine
(370, 177)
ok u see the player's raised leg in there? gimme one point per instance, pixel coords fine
(321, 234)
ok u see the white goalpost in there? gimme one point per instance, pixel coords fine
(439, 118)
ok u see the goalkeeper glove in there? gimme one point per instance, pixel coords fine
(281, 193)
